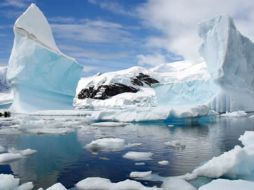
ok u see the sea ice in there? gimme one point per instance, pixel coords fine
(138, 156)
(106, 144)
(57, 186)
(234, 114)
(163, 162)
(225, 184)
(175, 183)
(137, 174)
(8, 182)
(7, 157)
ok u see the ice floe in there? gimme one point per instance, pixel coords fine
(57, 186)
(136, 174)
(138, 156)
(9, 182)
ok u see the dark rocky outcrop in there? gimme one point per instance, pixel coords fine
(142, 79)
(106, 91)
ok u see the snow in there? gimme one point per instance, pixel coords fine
(163, 162)
(97, 183)
(8, 182)
(138, 156)
(41, 77)
(136, 174)
(225, 184)
(237, 162)
(234, 114)
(106, 144)
(57, 186)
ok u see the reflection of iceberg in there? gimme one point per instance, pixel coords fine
(41, 76)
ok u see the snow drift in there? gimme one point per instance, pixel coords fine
(41, 76)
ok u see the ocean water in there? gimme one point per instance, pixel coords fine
(63, 158)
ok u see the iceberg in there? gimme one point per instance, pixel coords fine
(41, 76)
(221, 82)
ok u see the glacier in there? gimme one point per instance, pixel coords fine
(41, 76)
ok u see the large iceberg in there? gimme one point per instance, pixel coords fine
(41, 76)
(222, 82)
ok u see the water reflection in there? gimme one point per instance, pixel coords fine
(62, 158)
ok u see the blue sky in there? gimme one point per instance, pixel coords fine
(106, 35)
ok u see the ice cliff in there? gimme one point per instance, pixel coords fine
(41, 76)
(230, 61)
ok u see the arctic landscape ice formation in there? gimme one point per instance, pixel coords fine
(43, 78)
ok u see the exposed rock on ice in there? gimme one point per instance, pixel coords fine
(224, 184)
(8, 182)
(41, 76)
(138, 156)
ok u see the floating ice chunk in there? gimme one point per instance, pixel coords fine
(106, 144)
(140, 163)
(136, 174)
(234, 114)
(7, 157)
(97, 183)
(247, 138)
(109, 124)
(133, 145)
(163, 162)
(94, 183)
(175, 183)
(57, 186)
(237, 162)
(26, 186)
(225, 184)
(49, 130)
(24, 152)
(175, 144)
(138, 156)
(8, 182)
(2, 149)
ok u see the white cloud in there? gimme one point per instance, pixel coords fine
(178, 21)
(15, 3)
(112, 6)
(151, 59)
(93, 31)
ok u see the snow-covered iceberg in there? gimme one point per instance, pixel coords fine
(41, 76)
(222, 82)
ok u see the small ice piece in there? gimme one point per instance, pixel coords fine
(57, 186)
(2, 149)
(97, 183)
(247, 138)
(225, 184)
(176, 183)
(138, 156)
(170, 125)
(8, 182)
(94, 183)
(50, 130)
(106, 144)
(130, 145)
(251, 117)
(175, 144)
(140, 163)
(109, 124)
(234, 114)
(7, 157)
(24, 152)
(136, 174)
(163, 162)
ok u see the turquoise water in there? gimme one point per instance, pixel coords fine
(63, 158)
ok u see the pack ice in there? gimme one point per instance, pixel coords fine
(222, 82)
(41, 76)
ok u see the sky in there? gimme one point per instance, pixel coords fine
(108, 35)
